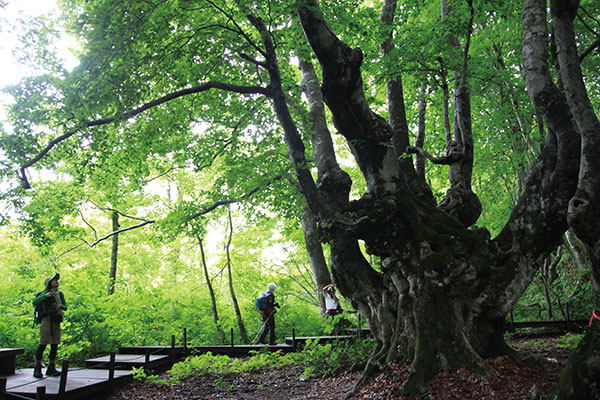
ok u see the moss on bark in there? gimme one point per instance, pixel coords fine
(580, 378)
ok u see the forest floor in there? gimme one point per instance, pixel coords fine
(509, 379)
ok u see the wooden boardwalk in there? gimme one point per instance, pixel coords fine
(239, 350)
(81, 384)
(93, 382)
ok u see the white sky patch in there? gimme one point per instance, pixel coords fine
(11, 71)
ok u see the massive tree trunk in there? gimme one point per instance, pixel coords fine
(443, 291)
(581, 377)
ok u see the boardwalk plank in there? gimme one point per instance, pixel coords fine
(81, 383)
(162, 350)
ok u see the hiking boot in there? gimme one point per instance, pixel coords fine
(37, 371)
(52, 371)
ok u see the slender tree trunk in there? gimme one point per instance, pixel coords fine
(579, 254)
(577, 249)
(549, 275)
(327, 169)
(112, 276)
(213, 300)
(420, 141)
(316, 258)
(238, 314)
(521, 120)
(460, 201)
(414, 181)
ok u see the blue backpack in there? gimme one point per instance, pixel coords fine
(261, 301)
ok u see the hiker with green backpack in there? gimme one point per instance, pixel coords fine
(50, 308)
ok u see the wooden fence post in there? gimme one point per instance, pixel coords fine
(2, 388)
(172, 352)
(231, 337)
(40, 393)
(512, 321)
(111, 372)
(62, 386)
(147, 360)
(294, 339)
(184, 339)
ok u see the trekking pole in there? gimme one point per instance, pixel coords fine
(262, 328)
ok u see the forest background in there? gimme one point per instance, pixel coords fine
(245, 233)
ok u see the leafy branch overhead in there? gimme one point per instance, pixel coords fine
(132, 113)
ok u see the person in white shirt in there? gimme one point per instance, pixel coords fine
(332, 302)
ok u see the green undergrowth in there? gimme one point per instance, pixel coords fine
(319, 361)
(567, 341)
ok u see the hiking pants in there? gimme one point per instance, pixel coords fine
(269, 327)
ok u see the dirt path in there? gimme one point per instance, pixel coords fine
(509, 379)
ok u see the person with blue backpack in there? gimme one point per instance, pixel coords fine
(266, 305)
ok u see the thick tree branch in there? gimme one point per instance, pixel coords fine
(296, 148)
(133, 112)
(95, 242)
(397, 111)
(452, 157)
(589, 49)
(230, 201)
(367, 133)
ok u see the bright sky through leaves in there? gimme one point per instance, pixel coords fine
(10, 70)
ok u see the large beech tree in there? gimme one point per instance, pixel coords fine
(178, 83)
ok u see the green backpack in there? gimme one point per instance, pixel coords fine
(41, 310)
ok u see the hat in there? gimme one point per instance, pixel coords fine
(50, 279)
(271, 287)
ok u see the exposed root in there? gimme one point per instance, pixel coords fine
(370, 368)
